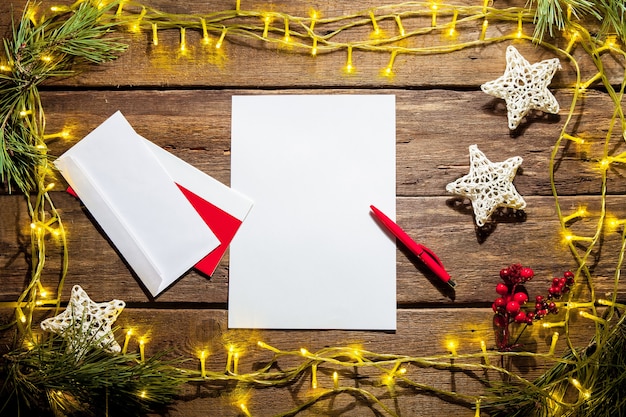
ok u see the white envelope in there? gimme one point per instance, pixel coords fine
(130, 187)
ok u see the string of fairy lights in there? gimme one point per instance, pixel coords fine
(387, 29)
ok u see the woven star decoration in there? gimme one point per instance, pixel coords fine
(488, 185)
(524, 87)
(85, 323)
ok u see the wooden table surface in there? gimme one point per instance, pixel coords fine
(183, 102)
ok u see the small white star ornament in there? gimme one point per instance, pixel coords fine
(488, 185)
(524, 87)
(86, 324)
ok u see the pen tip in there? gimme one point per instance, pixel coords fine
(451, 283)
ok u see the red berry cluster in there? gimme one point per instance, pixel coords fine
(513, 296)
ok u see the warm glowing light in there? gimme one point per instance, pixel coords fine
(349, 68)
(267, 19)
(235, 362)
(593, 317)
(287, 37)
(129, 333)
(5, 68)
(203, 363)
(388, 71)
(335, 379)
(377, 32)
(25, 113)
(555, 338)
(155, 34)
(388, 379)
(46, 58)
(483, 348)
(519, 32)
(143, 394)
(549, 325)
(43, 293)
(58, 9)
(183, 40)
(142, 349)
(229, 358)
(304, 352)
(218, 45)
(314, 47)
(205, 33)
(245, 410)
(22, 318)
(452, 33)
(604, 164)
(581, 212)
(434, 8)
(314, 376)
(452, 346)
(402, 371)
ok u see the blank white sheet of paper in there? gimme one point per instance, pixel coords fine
(310, 254)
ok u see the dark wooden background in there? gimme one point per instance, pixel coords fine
(182, 103)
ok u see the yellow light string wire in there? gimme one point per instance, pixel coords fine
(258, 25)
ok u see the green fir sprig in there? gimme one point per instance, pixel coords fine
(48, 377)
(40, 49)
(557, 15)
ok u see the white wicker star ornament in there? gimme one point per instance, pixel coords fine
(488, 185)
(524, 87)
(85, 323)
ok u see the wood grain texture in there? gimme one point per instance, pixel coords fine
(182, 103)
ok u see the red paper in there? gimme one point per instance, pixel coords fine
(220, 222)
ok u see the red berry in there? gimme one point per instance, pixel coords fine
(529, 320)
(502, 289)
(505, 273)
(520, 297)
(555, 282)
(512, 307)
(568, 274)
(527, 273)
(500, 302)
(520, 317)
(539, 298)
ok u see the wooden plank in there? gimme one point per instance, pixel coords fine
(239, 61)
(420, 333)
(434, 129)
(473, 258)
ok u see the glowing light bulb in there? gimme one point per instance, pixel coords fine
(203, 363)
(155, 34)
(244, 409)
(304, 352)
(452, 345)
(143, 394)
(218, 45)
(434, 8)
(314, 376)
(335, 379)
(142, 349)
(129, 333)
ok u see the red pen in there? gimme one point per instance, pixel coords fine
(422, 252)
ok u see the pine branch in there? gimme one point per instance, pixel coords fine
(38, 51)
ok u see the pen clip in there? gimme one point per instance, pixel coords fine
(431, 254)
